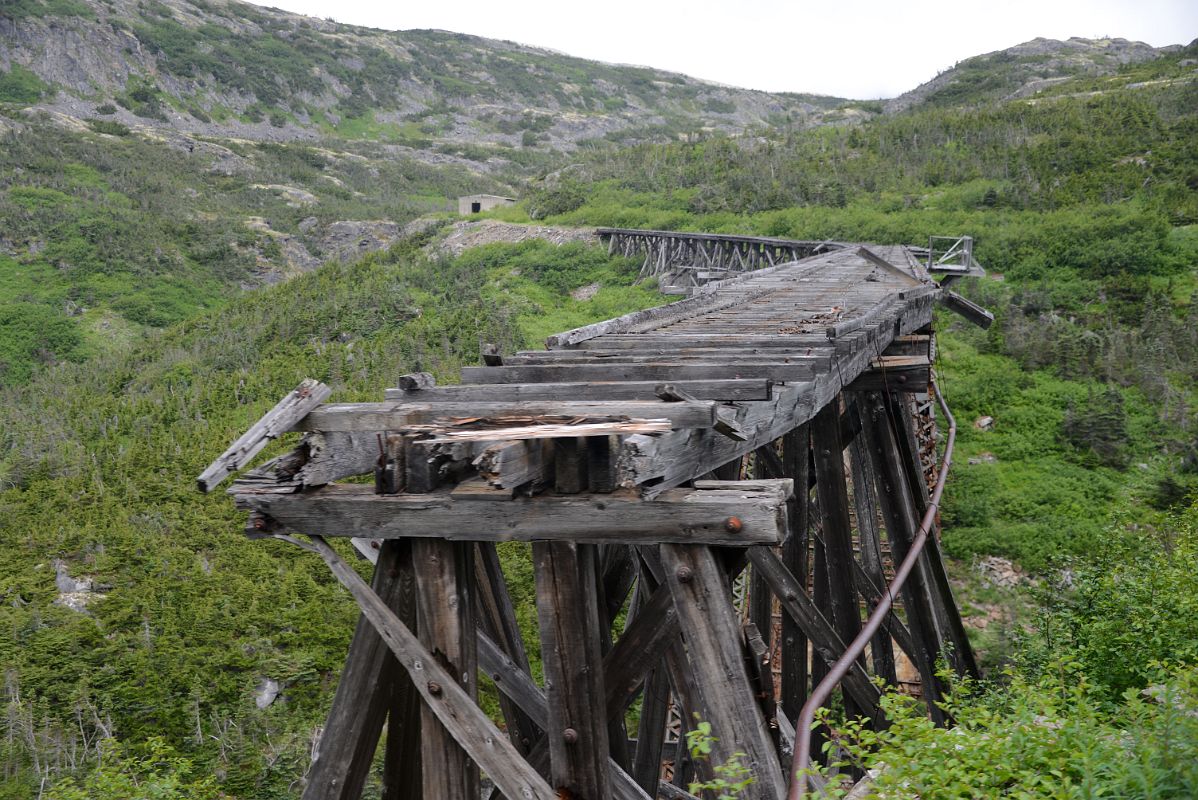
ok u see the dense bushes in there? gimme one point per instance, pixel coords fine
(1051, 738)
(1104, 704)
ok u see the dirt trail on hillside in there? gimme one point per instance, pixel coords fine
(474, 233)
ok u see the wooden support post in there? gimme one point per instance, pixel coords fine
(899, 513)
(686, 700)
(650, 737)
(832, 489)
(446, 622)
(370, 681)
(568, 612)
(725, 698)
(497, 618)
(601, 462)
(766, 464)
(570, 465)
(961, 652)
(796, 460)
(610, 564)
(655, 699)
(866, 507)
(402, 778)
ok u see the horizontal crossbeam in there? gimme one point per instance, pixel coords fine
(477, 512)
(451, 414)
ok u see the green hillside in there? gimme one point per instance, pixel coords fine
(163, 282)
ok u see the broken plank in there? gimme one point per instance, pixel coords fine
(508, 465)
(967, 309)
(550, 431)
(885, 265)
(280, 419)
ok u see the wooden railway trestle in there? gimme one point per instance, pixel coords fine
(680, 260)
(762, 424)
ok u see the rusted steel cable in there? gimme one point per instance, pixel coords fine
(821, 693)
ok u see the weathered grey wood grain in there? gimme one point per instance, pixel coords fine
(416, 381)
(967, 309)
(568, 611)
(567, 428)
(662, 371)
(796, 458)
(894, 374)
(651, 729)
(831, 487)
(440, 690)
(825, 643)
(403, 415)
(497, 619)
(447, 627)
(724, 389)
(877, 260)
(725, 698)
(681, 515)
(280, 419)
(642, 646)
(351, 733)
(335, 455)
(507, 465)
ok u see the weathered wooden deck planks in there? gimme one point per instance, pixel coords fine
(597, 450)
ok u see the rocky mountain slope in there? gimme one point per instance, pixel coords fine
(220, 67)
(1026, 69)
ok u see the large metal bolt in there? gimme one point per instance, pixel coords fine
(733, 525)
(684, 574)
(570, 736)
(434, 688)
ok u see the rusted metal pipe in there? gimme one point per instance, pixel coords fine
(821, 693)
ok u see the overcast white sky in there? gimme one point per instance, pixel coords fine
(853, 48)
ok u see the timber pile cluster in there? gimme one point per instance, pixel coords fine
(761, 424)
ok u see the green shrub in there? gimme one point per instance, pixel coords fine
(33, 334)
(21, 86)
(108, 126)
(1132, 604)
(1052, 738)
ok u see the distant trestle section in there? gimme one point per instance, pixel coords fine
(681, 260)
